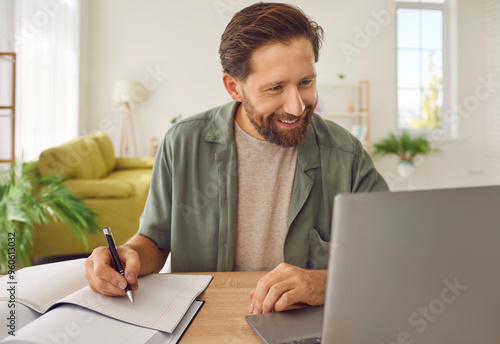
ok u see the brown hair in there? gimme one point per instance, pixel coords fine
(262, 24)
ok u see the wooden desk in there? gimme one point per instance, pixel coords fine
(222, 318)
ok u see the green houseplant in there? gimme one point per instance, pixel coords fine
(405, 147)
(26, 199)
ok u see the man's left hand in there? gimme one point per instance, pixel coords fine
(287, 285)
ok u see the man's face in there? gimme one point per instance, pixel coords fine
(280, 94)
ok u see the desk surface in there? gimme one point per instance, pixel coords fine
(222, 318)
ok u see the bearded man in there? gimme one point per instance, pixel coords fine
(249, 185)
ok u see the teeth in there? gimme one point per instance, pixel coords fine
(288, 122)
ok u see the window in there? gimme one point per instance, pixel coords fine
(45, 37)
(421, 64)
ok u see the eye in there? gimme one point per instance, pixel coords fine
(305, 82)
(276, 88)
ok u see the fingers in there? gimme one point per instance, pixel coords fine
(287, 300)
(285, 286)
(279, 296)
(270, 291)
(262, 291)
(131, 264)
(100, 275)
(104, 279)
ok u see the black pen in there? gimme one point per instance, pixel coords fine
(112, 248)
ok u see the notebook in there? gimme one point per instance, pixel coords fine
(410, 267)
(68, 323)
(160, 302)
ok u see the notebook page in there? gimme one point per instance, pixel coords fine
(40, 286)
(76, 325)
(174, 337)
(160, 302)
(23, 316)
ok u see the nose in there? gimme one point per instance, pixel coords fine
(293, 103)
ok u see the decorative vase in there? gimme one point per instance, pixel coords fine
(406, 168)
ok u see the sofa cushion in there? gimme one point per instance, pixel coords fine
(140, 177)
(107, 151)
(79, 158)
(127, 163)
(101, 188)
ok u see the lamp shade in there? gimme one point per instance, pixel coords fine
(128, 91)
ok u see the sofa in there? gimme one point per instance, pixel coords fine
(115, 188)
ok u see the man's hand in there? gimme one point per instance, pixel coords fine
(287, 285)
(139, 256)
(104, 279)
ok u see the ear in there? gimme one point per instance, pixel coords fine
(232, 86)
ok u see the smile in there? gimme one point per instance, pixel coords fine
(289, 122)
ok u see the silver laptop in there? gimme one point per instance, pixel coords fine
(407, 267)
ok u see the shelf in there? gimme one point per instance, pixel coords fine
(11, 57)
(343, 114)
(353, 86)
(336, 101)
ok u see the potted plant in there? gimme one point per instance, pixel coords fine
(406, 148)
(26, 199)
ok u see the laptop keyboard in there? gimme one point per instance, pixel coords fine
(314, 340)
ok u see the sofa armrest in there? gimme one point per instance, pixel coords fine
(101, 188)
(127, 163)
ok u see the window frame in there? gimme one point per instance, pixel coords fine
(447, 117)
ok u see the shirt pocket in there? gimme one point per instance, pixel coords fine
(318, 251)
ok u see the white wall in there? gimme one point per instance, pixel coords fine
(180, 39)
(172, 46)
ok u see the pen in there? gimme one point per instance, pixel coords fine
(112, 248)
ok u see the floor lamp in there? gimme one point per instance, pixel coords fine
(127, 92)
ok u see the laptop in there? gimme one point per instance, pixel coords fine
(405, 267)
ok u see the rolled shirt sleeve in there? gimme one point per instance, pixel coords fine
(155, 221)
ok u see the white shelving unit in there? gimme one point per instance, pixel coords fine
(349, 106)
(9, 111)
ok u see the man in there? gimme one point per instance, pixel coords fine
(250, 185)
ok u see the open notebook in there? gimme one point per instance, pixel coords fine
(160, 303)
(76, 325)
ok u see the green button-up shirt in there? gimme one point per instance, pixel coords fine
(192, 203)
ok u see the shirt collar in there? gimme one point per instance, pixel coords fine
(221, 130)
(308, 155)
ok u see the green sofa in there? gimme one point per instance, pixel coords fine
(115, 188)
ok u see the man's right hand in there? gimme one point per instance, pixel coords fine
(139, 256)
(103, 277)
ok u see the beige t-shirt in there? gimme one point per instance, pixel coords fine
(265, 180)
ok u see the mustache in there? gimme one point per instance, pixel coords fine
(288, 117)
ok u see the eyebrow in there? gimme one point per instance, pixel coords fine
(274, 83)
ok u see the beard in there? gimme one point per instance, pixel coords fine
(268, 128)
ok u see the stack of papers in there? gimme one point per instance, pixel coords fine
(55, 304)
